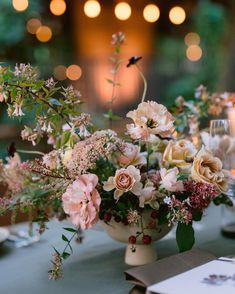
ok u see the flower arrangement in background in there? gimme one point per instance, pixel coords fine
(189, 113)
(92, 175)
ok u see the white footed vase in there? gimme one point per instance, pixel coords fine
(138, 253)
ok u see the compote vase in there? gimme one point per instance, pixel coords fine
(138, 253)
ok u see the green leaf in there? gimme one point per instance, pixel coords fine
(197, 215)
(54, 102)
(64, 238)
(110, 81)
(185, 236)
(65, 137)
(70, 230)
(223, 199)
(65, 255)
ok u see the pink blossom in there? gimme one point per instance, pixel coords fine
(81, 201)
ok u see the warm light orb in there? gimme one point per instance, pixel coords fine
(20, 5)
(122, 11)
(194, 53)
(92, 8)
(192, 39)
(151, 13)
(74, 72)
(44, 34)
(60, 72)
(57, 7)
(33, 25)
(177, 15)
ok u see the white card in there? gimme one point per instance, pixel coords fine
(200, 280)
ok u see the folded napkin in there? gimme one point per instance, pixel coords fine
(146, 275)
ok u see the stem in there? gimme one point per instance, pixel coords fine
(148, 153)
(49, 175)
(30, 152)
(68, 243)
(144, 81)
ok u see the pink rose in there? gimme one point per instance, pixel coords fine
(131, 155)
(81, 201)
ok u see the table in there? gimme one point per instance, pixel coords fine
(97, 264)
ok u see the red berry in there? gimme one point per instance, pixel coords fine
(146, 239)
(117, 219)
(154, 214)
(125, 222)
(107, 217)
(132, 239)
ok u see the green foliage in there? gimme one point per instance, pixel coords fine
(185, 236)
(223, 199)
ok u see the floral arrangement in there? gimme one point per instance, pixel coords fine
(189, 113)
(91, 175)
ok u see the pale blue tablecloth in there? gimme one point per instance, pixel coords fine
(97, 264)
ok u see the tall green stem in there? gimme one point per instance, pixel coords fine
(144, 81)
(30, 152)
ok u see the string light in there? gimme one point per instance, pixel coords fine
(20, 5)
(92, 8)
(194, 53)
(57, 7)
(151, 13)
(60, 72)
(33, 25)
(122, 11)
(74, 72)
(44, 34)
(177, 15)
(192, 39)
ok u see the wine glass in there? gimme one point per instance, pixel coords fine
(222, 145)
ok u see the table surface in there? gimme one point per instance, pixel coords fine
(97, 264)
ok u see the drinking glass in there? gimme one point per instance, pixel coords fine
(222, 144)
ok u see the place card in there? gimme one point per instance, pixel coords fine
(217, 277)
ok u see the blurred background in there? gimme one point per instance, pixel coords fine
(183, 44)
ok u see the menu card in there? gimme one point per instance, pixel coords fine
(217, 277)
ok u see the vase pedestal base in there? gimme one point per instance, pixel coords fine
(142, 254)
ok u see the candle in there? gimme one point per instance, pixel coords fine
(231, 117)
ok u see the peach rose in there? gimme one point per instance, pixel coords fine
(81, 201)
(207, 168)
(177, 153)
(131, 155)
(149, 196)
(169, 179)
(150, 118)
(125, 179)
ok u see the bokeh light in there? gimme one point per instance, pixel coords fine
(151, 13)
(60, 72)
(57, 7)
(20, 5)
(177, 15)
(74, 72)
(92, 8)
(33, 25)
(122, 11)
(194, 53)
(44, 34)
(192, 39)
